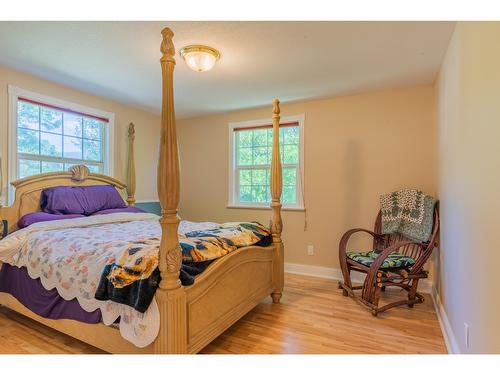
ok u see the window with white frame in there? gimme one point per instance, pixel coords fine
(49, 135)
(250, 163)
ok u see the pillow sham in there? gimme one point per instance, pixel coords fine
(83, 200)
(131, 209)
(38, 217)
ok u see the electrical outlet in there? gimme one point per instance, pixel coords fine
(310, 250)
(466, 335)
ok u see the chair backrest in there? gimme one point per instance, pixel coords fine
(420, 253)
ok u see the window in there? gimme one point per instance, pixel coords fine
(250, 166)
(49, 135)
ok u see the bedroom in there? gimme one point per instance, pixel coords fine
(303, 127)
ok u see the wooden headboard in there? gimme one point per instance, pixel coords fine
(29, 189)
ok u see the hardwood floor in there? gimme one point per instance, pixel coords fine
(313, 317)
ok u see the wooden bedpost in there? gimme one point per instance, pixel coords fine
(131, 166)
(170, 295)
(276, 222)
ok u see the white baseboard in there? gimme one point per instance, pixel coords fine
(449, 336)
(425, 286)
(317, 271)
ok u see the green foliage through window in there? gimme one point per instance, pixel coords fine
(253, 149)
(51, 140)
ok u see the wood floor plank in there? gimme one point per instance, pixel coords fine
(313, 317)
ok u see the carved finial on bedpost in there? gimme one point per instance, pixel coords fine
(276, 188)
(131, 166)
(170, 295)
(167, 45)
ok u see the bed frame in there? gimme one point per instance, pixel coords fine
(190, 317)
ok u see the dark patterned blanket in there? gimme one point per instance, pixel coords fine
(134, 278)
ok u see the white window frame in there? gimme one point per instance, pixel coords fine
(16, 92)
(233, 201)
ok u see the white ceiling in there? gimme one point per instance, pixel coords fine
(259, 60)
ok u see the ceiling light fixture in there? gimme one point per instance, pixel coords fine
(200, 58)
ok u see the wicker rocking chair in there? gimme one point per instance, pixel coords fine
(395, 261)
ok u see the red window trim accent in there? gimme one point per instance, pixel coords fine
(269, 126)
(103, 119)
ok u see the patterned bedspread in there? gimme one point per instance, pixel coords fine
(134, 277)
(70, 255)
(140, 258)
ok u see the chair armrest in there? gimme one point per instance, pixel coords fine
(347, 235)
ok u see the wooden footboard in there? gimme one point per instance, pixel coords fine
(226, 292)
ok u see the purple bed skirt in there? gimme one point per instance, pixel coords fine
(46, 303)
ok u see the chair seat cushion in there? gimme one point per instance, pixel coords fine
(395, 261)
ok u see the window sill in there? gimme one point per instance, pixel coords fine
(234, 206)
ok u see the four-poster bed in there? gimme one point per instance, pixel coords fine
(190, 316)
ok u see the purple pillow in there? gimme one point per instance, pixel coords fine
(131, 209)
(38, 217)
(84, 200)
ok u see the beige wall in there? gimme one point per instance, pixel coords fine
(468, 97)
(147, 127)
(356, 148)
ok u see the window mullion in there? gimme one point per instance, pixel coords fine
(62, 133)
(40, 133)
(260, 166)
(55, 159)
